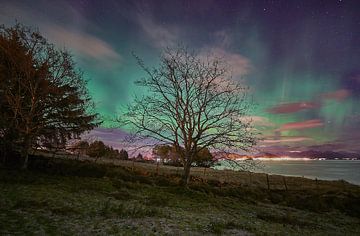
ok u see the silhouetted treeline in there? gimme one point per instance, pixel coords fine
(98, 149)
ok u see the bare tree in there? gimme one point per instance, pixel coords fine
(191, 103)
(43, 99)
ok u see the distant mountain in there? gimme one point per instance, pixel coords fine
(330, 155)
(231, 156)
(312, 154)
(265, 155)
(236, 156)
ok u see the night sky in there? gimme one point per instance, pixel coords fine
(301, 59)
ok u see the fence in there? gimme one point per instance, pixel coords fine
(223, 177)
(230, 177)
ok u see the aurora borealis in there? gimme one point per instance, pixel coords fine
(301, 59)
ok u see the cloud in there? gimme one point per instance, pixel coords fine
(292, 107)
(107, 134)
(350, 136)
(329, 147)
(301, 125)
(84, 44)
(287, 140)
(112, 137)
(338, 95)
(258, 120)
(223, 38)
(238, 64)
(159, 35)
(162, 36)
(69, 33)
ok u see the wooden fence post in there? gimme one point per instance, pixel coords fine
(317, 184)
(250, 179)
(268, 182)
(133, 164)
(157, 168)
(284, 180)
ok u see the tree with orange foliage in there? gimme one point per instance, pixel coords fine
(43, 98)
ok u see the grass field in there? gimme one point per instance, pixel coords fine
(222, 177)
(68, 197)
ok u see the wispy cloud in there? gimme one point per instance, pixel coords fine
(160, 36)
(338, 95)
(70, 33)
(258, 120)
(292, 107)
(301, 125)
(82, 44)
(223, 38)
(237, 64)
(287, 140)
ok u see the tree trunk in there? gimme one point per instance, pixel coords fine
(25, 157)
(186, 176)
(6, 148)
(25, 154)
(3, 153)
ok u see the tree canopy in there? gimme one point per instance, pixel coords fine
(192, 103)
(97, 149)
(43, 98)
(168, 155)
(123, 154)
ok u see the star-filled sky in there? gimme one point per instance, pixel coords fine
(301, 59)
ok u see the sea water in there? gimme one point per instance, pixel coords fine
(348, 170)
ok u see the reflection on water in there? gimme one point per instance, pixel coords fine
(324, 169)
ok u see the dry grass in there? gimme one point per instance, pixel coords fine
(51, 202)
(230, 177)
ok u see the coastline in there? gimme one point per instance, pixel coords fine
(331, 170)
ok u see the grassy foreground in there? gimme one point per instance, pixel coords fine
(74, 198)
